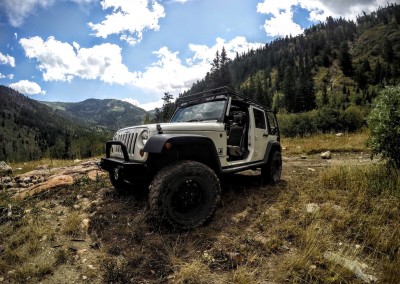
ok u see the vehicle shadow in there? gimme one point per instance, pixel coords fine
(123, 226)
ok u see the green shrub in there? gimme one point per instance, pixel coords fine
(324, 120)
(384, 125)
(353, 118)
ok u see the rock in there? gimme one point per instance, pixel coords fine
(303, 157)
(53, 182)
(5, 169)
(312, 208)
(340, 134)
(326, 155)
(352, 265)
(77, 161)
(9, 185)
(95, 174)
(5, 180)
(311, 169)
(44, 167)
(23, 185)
(27, 179)
(95, 245)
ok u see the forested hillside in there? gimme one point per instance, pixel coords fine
(109, 114)
(327, 76)
(30, 130)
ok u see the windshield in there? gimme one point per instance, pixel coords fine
(200, 112)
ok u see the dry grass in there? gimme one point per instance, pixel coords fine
(73, 224)
(260, 234)
(326, 142)
(36, 239)
(23, 167)
(358, 217)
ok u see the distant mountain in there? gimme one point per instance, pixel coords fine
(110, 114)
(30, 130)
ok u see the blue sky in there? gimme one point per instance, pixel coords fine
(136, 50)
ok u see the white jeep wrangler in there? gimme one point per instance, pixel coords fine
(211, 133)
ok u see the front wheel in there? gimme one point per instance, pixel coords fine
(271, 172)
(185, 194)
(116, 180)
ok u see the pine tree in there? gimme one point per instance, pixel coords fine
(289, 89)
(168, 107)
(345, 59)
(387, 50)
(225, 76)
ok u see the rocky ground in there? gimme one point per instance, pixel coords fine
(77, 229)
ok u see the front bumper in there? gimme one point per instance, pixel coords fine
(128, 170)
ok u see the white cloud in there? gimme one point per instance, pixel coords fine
(60, 61)
(16, 13)
(204, 53)
(129, 19)
(170, 74)
(281, 22)
(145, 106)
(10, 76)
(84, 2)
(7, 59)
(27, 87)
(281, 25)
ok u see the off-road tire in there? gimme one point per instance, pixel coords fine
(185, 194)
(271, 172)
(119, 185)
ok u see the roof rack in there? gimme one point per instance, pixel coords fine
(223, 91)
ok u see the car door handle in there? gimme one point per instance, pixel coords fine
(265, 134)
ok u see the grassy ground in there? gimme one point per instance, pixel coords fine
(355, 142)
(23, 167)
(292, 232)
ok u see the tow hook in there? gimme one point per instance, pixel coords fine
(116, 173)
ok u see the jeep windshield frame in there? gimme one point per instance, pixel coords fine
(201, 110)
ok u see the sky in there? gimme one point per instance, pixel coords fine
(137, 50)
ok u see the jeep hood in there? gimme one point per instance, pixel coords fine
(180, 127)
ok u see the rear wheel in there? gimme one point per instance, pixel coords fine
(185, 194)
(272, 171)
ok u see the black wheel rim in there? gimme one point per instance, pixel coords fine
(188, 199)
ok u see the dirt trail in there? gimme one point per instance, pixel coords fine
(115, 241)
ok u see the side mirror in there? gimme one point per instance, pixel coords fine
(273, 131)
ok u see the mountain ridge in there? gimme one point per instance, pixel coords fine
(111, 114)
(30, 130)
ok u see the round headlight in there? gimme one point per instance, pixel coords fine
(144, 136)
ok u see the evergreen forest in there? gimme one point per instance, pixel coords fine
(30, 130)
(321, 81)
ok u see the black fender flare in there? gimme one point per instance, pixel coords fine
(157, 144)
(272, 146)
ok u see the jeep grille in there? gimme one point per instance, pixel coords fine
(129, 139)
